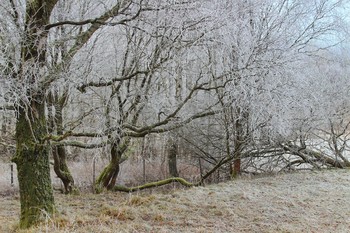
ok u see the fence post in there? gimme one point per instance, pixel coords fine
(93, 173)
(11, 166)
(200, 168)
(143, 154)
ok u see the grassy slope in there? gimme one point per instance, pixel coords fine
(300, 202)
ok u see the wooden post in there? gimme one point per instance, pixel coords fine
(218, 176)
(200, 169)
(143, 154)
(11, 166)
(93, 174)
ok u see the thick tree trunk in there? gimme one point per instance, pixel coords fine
(32, 159)
(32, 154)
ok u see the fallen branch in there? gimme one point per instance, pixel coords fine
(313, 157)
(154, 184)
(182, 181)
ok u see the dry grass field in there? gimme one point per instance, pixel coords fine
(298, 202)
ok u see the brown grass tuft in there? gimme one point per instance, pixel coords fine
(139, 200)
(122, 214)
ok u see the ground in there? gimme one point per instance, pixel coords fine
(317, 201)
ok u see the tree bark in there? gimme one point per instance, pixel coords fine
(61, 168)
(239, 139)
(32, 153)
(108, 177)
(32, 160)
(59, 152)
(172, 160)
(236, 167)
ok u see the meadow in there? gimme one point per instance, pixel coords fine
(312, 201)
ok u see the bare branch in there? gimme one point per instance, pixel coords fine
(79, 144)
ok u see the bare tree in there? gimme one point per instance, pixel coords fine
(128, 98)
(28, 76)
(260, 49)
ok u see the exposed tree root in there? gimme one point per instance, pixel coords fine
(154, 184)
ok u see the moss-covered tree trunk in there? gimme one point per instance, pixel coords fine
(32, 159)
(61, 168)
(108, 177)
(60, 156)
(32, 153)
(59, 152)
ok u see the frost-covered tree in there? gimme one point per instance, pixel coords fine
(52, 48)
(261, 48)
(97, 74)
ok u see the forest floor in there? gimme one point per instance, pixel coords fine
(317, 201)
